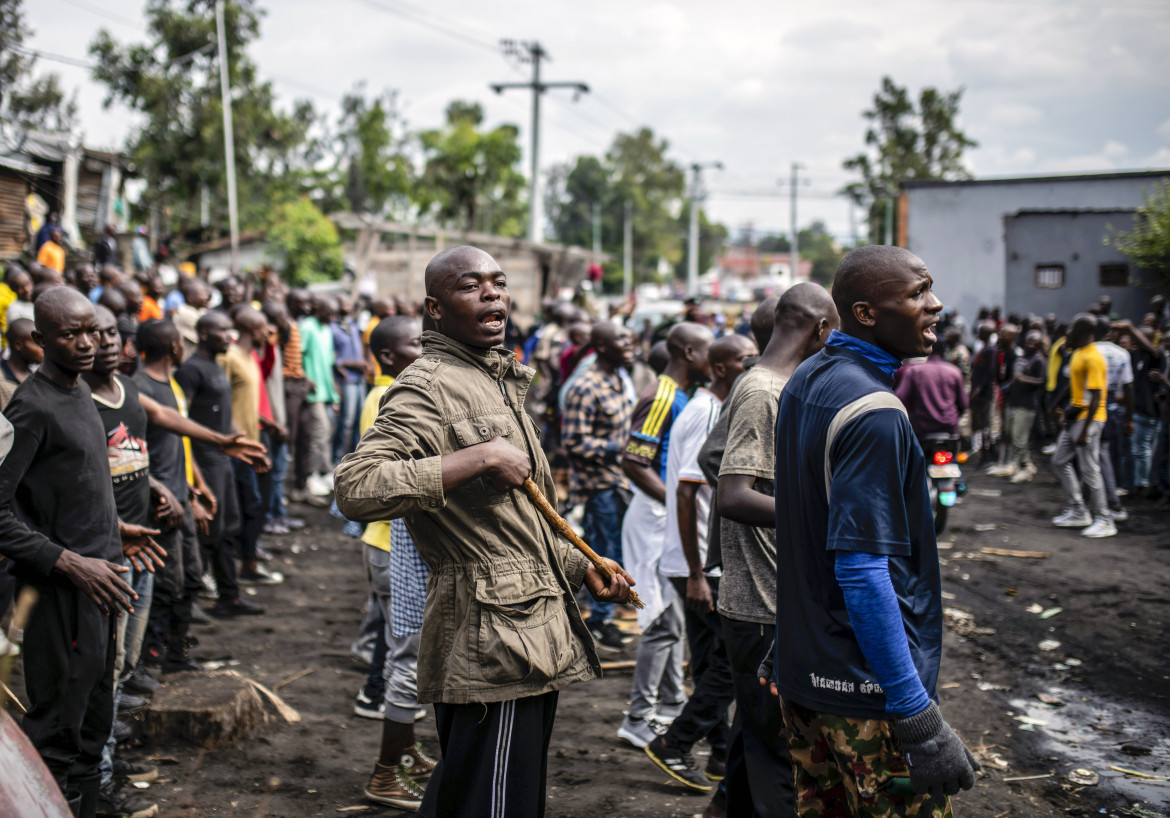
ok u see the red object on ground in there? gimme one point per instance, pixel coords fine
(26, 788)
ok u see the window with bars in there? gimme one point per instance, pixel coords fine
(1049, 276)
(1115, 274)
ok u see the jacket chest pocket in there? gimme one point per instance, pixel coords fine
(471, 432)
(524, 631)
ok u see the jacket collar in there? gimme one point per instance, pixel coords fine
(495, 361)
(883, 360)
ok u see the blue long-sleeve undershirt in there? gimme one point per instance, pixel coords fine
(877, 624)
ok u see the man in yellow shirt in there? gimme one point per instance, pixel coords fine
(52, 252)
(1080, 437)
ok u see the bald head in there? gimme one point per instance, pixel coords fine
(729, 347)
(804, 305)
(113, 300)
(763, 319)
(19, 331)
(864, 274)
(56, 305)
(444, 269)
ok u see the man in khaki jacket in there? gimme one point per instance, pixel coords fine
(501, 634)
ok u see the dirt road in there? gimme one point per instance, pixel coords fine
(1050, 665)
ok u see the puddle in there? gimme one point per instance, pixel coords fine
(1092, 732)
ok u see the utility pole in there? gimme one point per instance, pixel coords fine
(229, 141)
(697, 195)
(596, 232)
(628, 251)
(532, 52)
(795, 234)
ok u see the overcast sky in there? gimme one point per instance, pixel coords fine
(1052, 86)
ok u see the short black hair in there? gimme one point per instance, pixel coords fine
(156, 338)
(382, 336)
(862, 272)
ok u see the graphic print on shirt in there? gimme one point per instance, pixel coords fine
(129, 460)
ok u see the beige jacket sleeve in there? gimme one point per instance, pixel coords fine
(396, 468)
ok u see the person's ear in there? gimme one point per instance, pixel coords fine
(385, 359)
(38, 338)
(432, 308)
(718, 370)
(864, 313)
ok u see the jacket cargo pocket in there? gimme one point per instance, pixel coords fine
(524, 631)
(480, 491)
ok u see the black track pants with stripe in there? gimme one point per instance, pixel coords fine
(494, 759)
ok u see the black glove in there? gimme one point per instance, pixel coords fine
(940, 763)
(765, 671)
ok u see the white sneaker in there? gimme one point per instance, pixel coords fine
(328, 478)
(1073, 518)
(7, 648)
(1049, 449)
(999, 469)
(1024, 475)
(640, 732)
(1119, 516)
(317, 485)
(1101, 527)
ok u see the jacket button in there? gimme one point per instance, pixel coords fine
(483, 430)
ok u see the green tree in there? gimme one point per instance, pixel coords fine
(906, 140)
(470, 177)
(374, 173)
(307, 240)
(817, 245)
(1148, 244)
(26, 100)
(172, 83)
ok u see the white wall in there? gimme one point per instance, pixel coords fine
(958, 230)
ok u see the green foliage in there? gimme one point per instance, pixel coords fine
(373, 170)
(816, 244)
(308, 241)
(637, 170)
(470, 177)
(172, 83)
(906, 141)
(28, 101)
(1148, 244)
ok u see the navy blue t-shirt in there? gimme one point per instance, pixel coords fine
(865, 492)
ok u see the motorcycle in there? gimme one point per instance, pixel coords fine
(946, 477)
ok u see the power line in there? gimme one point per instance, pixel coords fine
(45, 55)
(422, 20)
(109, 15)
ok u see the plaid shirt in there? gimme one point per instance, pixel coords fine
(595, 423)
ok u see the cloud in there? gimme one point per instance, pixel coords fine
(1013, 115)
(1114, 149)
(1164, 129)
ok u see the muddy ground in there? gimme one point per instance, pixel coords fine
(1100, 697)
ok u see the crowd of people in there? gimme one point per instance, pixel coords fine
(759, 482)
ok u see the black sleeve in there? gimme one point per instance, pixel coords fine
(18, 542)
(188, 377)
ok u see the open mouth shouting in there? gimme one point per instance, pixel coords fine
(494, 319)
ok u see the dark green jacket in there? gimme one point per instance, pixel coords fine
(500, 621)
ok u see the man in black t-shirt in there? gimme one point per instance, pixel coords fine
(1022, 402)
(59, 525)
(209, 397)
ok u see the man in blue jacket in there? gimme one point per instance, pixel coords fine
(858, 599)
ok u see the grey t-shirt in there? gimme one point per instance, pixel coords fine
(747, 592)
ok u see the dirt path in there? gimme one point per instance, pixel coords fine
(1109, 675)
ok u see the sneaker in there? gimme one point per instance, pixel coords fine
(275, 527)
(177, 656)
(417, 763)
(1119, 515)
(1101, 527)
(7, 648)
(420, 714)
(1024, 475)
(316, 486)
(117, 801)
(716, 769)
(210, 589)
(235, 607)
(678, 765)
(394, 787)
(263, 553)
(140, 682)
(292, 523)
(367, 707)
(607, 636)
(640, 732)
(1002, 470)
(128, 702)
(1073, 518)
(121, 731)
(1049, 449)
(136, 772)
(261, 576)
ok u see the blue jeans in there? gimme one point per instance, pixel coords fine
(1141, 449)
(347, 431)
(276, 475)
(131, 630)
(603, 531)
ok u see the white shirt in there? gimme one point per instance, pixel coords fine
(1118, 369)
(687, 436)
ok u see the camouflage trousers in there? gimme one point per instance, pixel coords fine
(850, 768)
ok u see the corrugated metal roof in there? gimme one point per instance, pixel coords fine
(22, 164)
(1013, 180)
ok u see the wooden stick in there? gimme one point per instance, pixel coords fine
(291, 679)
(12, 696)
(565, 530)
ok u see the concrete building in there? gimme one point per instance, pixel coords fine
(1028, 244)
